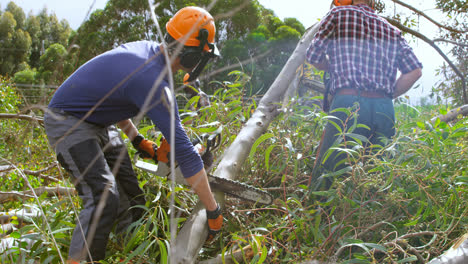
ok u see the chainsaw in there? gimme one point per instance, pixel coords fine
(205, 145)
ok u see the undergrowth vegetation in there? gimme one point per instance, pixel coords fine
(404, 203)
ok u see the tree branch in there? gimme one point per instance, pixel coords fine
(428, 17)
(450, 41)
(430, 42)
(452, 114)
(24, 117)
(37, 173)
(51, 191)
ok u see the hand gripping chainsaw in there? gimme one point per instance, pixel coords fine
(205, 145)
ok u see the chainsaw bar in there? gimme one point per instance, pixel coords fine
(240, 190)
(234, 188)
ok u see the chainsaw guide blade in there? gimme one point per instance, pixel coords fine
(230, 187)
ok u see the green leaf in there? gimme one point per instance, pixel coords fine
(163, 250)
(258, 142)
(408, 260)
(461, 180)
(15, 235)
(412, 223)
(267, 156)
(263, 255)
(283, 178)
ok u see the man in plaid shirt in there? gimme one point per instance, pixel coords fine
(362, 53)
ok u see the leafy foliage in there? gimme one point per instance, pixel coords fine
(405, 203)
(408, 196)
(25, 38)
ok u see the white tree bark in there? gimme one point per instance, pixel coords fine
(452, 114)
(193, 234)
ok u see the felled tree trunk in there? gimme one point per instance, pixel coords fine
(452, 114)
(194, 232)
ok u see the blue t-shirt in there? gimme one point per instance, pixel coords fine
(113, 87)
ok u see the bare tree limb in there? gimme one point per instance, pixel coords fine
(38, 173)
(450, 41)
(452, 114)
(6, 168)
(51, 191)
(24, 117)
(430, 42)
(428, 17)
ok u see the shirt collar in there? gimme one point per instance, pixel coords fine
(365, 7)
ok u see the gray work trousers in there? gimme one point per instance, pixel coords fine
(103, 176)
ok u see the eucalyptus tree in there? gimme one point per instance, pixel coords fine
(24, 39)
(45, 30)
(14, 45)
(17, 13)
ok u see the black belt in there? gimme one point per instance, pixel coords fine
(367, 94)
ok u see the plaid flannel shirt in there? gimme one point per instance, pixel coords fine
(364, 50)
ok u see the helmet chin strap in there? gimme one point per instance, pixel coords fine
(206, 56)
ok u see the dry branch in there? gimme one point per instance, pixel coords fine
(428, 17)
(451, 42)
(452, 114)
(187, 244)
(6, 168)
(24, 117)
(51, 191)
(38, 173)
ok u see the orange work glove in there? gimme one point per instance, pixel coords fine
(215, 221)
(147, 148)
(163, 151)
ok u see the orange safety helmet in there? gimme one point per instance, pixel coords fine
(192, 20)
(342, 2)
(351, 2)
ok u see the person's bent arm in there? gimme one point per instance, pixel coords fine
(406, 81)
(199, 183)
(128, 128)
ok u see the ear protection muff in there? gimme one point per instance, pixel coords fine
(342, 2)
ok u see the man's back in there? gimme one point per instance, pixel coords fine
(113, 83)
(364, 50)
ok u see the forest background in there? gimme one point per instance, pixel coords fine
(407, 208)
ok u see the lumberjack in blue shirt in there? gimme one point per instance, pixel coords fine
(110, 89)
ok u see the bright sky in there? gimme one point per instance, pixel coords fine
(306, 11)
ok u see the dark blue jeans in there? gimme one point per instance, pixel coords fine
(376, 113)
